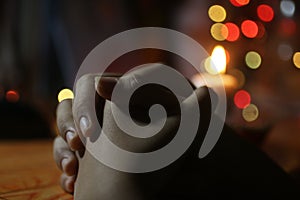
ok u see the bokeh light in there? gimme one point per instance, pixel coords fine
(242, 99)
(233, 32)
(285, 51)
(239, 3)
(219, 31)
(261, 30)
(217, 13)
(239, 75)
(250, 113)
(265, 12)
(287, 27)
(287, 8)
(296, 59)
(12, 96)
(249, 28)
(65, 94)
(253, 59)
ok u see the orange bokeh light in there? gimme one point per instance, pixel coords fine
(249, 28)
(239, 3)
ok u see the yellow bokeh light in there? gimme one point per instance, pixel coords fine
(219, 31)
(240, 77)
(65, 94)
(253, 59)
(217, 13)
(296, 59)
(250, 113)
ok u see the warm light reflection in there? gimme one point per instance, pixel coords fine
(250, 113)
(65, 94)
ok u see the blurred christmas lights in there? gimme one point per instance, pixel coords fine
(253, 59)
(65, 94)
(296, 59)
(242, 99)
(265, 12)
(250, 113)
(287, 8)
(219, 31)
(249, 28)
(217, 13)
(233, 32)
(285, 51)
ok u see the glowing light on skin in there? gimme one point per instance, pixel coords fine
(216, 63)
(296, 59)
(217, 13)
(233, 32)
(219, 31)
(65, 94)
(249, 28)
(265, 12)
(287, 8)
(285, 52)
(250, 113)
(253, 59)
(12, 96)
(242, 99)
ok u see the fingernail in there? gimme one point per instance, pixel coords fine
(69, 136)
(84, 124)
(64, 163)
(69, 185)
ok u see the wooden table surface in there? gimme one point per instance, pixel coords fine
(28, 171)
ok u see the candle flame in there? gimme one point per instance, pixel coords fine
(218, 59)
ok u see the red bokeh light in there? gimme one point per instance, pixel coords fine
(249, 28)
(242, 99)
(233, 32)
(261, 30)
(265, 13)
(12, 96)
(287, 27)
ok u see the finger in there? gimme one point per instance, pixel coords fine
(65, 159)
(66, 126)
(84, 106)
(67, 182)
(144, 96)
